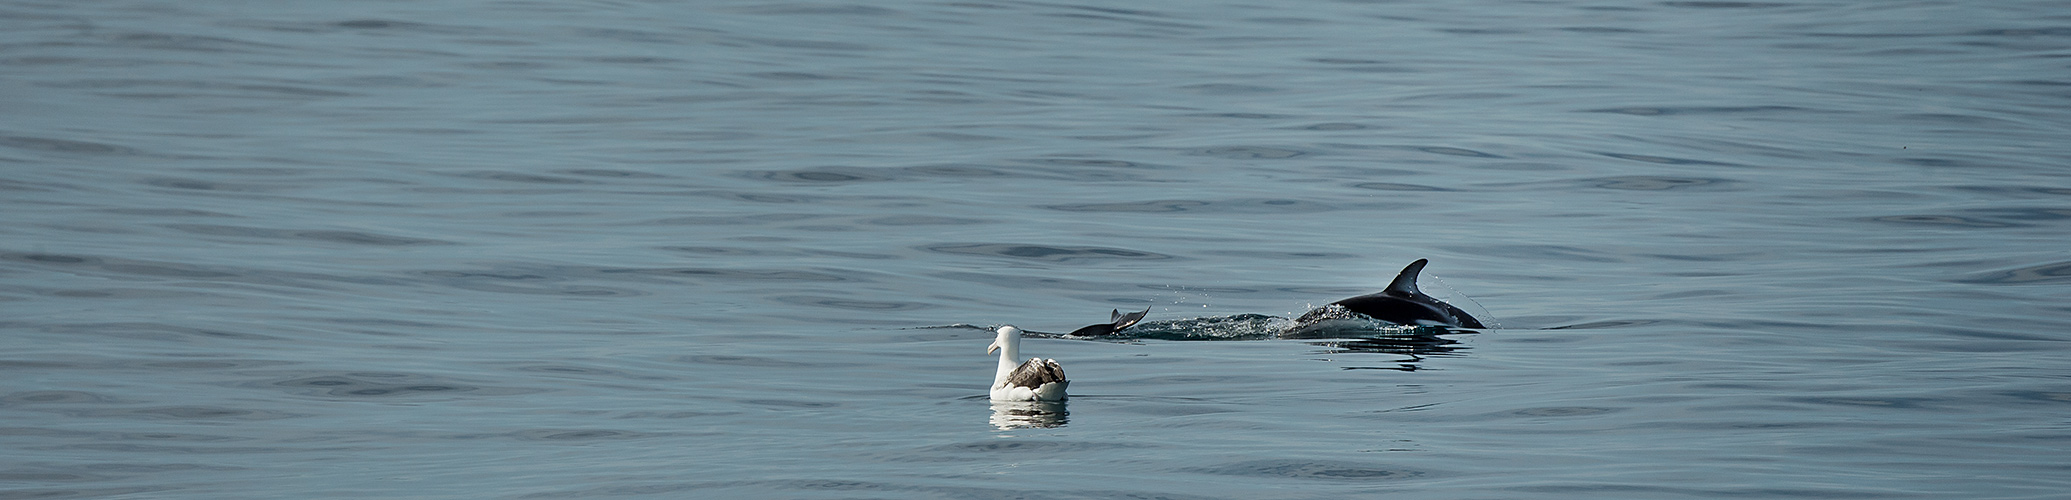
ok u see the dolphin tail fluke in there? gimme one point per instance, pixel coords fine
(1116, 322)
(1406, 283)
(1128, 320)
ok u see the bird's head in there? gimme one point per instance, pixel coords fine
(1006, 334)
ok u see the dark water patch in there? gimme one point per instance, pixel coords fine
(2022, 32)
(1953, 119)
(195, 412)
(1390, 186)
(578, 435)
(1941, 162)
(581, 372)
(795, 76)
(166, 270)
(732, 274)
(1242, 206)
(1693, 110)
(1251, 152)
(66, 146)
(1995, 335)
(2025, 213)
(851, 304)
(327, 236)
(1664, 160)
(153, 331)
(162, 437)
(2049, 397)
(853, 255)
(2051, 273)
(956, 172)
(1864, 402)
(51, 258)
(753, 361)
(1044, 253)
(64, 493)
(1227, 89)
(20, 364)
(626, 490)
(549, 281)
(165, 212)
(44, 476)
(1564, 411)
(1653, 491)
(733, 220)
(1602, 30)
(1332, 126)
(1243, 116)
(1084, 162)
(1657, 183)
(164, 89)
(375, 24)
(1281, 256)
(1941, 220)
(1305, 469)
(669, 415)
(31, 187)
(822, 175)
(512, 276)
(1726, 5)
(520, 177)
(201, 185)
(1539, 252)
(621, 174)
(719, 251)
(1344, 60)
(545, 289)
(209, 364)
(1451, 151)
(358, 385)
(1200, 380)
(125, 294)
(809, 9)
(1168, 410)
(51, 397)
(1031, 282)
(1607, 324)
(791, 404)
(922, 220)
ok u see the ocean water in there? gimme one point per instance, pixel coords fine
(634, 249)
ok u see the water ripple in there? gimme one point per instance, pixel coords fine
(1044, 253)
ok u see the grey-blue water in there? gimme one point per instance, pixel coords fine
(617, 248)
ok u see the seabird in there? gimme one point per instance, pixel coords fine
(1036, 379)
(1116, 322)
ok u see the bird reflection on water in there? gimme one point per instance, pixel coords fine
(1008, 415)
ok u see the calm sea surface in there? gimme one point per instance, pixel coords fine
(617, 248)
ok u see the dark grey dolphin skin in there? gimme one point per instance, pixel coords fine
(1401, 303)
(1117, 321)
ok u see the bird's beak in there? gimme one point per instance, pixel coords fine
(994, 347)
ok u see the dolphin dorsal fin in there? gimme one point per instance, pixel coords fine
(1406, 283)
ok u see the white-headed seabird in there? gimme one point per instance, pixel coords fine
(1036, 379)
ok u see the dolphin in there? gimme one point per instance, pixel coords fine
(1401, 303)
(1116, 322)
